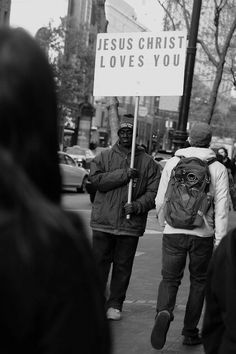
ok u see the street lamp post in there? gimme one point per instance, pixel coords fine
(180, 134)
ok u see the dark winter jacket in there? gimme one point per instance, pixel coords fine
(50, 294)
(108, 172)
(229, 165)
(219, 326)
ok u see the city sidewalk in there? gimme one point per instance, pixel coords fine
(131, 335)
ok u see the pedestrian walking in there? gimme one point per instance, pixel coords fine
(192, 235)
(219, 326)
(115, 237)
(227, 162)
(222, 156)
(50, 298)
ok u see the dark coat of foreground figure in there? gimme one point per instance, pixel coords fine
(50, 295)
(219, 326)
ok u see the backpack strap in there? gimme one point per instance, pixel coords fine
(210, 161)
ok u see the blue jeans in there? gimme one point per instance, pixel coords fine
(120, 252)
(175, 248)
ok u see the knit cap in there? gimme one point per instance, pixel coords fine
(200, 134)
(126, 121)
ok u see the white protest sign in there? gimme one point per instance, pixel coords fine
(140, 64)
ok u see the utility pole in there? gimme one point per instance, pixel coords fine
(180, 134)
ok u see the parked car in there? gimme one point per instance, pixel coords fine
(162, 157)
(72, 174)
(82, 156)
(162, 163)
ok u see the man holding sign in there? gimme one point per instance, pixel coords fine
(115, 237)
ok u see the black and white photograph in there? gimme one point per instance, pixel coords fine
(118, 176)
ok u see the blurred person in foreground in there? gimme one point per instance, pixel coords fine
(50, 296)
(196, 242)
(219, 325)
(115, 238)
(222, 156)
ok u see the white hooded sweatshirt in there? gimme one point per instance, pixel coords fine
(216, 221)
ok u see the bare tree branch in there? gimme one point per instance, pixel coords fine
(186, 13)
(221, 29)
(228, 38)
(168, 14)
(219, 70)
(223, 3)
(233, 74)
(216, 23)
(207, 52)
(218, 11)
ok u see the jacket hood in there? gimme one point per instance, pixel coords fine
(201, 153)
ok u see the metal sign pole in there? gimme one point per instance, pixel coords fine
(133, 149)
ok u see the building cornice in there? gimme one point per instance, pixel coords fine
(142, 27)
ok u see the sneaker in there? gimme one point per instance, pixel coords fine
(192, 340)
(113, 314)
(160, 329)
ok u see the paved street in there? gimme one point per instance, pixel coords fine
(132, 334)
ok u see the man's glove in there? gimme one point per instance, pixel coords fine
(130, 208)
(132, 173)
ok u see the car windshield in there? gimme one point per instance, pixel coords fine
(75, 150)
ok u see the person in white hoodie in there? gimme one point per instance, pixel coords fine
(197, 243)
